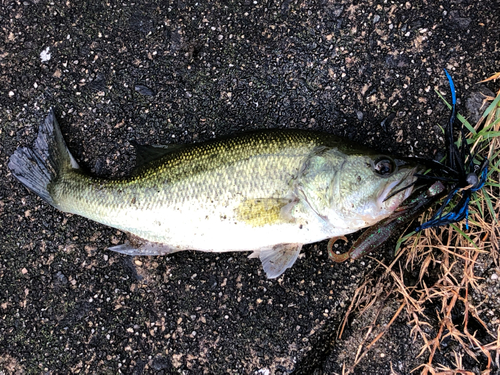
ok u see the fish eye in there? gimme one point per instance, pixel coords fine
(384, 166)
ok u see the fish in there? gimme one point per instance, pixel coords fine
(267, 191)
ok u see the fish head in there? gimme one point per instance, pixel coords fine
(354, 191)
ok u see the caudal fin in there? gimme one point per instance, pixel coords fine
(45, 162)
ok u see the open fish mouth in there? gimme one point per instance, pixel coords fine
(397, 191)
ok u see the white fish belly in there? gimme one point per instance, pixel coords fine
(216, 229)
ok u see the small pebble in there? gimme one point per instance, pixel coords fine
(144, 90)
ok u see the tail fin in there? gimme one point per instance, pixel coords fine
(37, 167)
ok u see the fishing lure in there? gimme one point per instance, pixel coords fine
(466, 176)
(462, 176)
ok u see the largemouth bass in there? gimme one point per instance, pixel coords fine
(268, 191)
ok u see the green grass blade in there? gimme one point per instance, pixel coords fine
(493, 104)
(489, 204)
(464, 235)
(493, 168)
(461, 118)
(490, 126)
(403, 240)
(466, 124)
(475, 201)
(490, 134)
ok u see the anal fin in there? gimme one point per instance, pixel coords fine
(137, 246)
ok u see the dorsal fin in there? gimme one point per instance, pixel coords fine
(147, 153)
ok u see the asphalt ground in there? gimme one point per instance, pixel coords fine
(186, 71)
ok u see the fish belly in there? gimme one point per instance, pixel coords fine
(215, 228)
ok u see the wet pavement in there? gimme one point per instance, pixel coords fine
(185, 71)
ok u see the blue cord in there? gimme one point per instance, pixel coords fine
(461, 209)
(452, 88)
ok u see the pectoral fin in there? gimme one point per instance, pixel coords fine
(276, 260)
(263, 211)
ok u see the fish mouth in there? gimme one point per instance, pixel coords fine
(395, 192)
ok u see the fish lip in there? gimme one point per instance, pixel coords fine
(406, 180)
